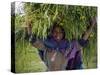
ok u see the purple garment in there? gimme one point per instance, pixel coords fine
(74, 57)
(53, 44)
(73, 50)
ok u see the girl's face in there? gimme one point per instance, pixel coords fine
(57, 34)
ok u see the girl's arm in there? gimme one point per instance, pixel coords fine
(32, 38)
(89, 29)
(84, 40)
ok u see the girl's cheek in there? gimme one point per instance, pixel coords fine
(58, 37)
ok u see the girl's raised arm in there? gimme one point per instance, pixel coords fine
(87, 33)
(32, 38)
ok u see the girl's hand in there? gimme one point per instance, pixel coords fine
(93, 21)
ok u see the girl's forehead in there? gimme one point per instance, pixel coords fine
(57, 28)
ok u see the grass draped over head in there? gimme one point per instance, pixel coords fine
(74, 19)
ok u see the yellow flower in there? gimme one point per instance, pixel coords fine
(82, 17)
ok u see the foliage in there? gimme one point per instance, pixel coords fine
(44, 15)
(27, 58)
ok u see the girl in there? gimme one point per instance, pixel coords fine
(56, 51)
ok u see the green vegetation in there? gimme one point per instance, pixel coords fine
(74, 20)
(27, 58)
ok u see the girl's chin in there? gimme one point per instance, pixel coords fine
(58, 40)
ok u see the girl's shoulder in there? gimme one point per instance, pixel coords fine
(50, 43)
